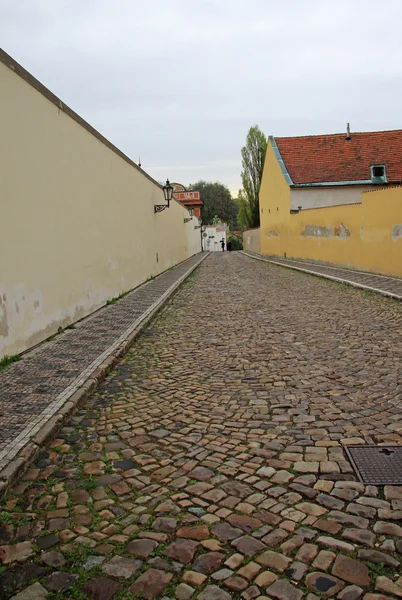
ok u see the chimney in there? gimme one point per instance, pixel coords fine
(348, 138)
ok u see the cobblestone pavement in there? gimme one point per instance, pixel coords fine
(385, 284)
(33, 389)
(210, 463)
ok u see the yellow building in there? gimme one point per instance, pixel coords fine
(334, 198)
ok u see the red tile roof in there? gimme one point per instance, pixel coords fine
(321, 158)
(190, 202)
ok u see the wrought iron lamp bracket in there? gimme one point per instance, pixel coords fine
(160, 207)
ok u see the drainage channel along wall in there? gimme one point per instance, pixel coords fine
(367, 235)
(77, 222)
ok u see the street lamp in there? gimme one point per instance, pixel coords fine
(191, 212)
(203, 234)
(168, 194)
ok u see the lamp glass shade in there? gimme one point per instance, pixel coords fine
(168, 191)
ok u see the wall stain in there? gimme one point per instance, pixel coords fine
(51, 329)
(318, 231)
(3, 317)
(342, 231)
(397, 231)
(339, 231)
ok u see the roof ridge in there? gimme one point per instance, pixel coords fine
(291, 137)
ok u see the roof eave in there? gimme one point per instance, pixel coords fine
(280, 161)
(335, 183)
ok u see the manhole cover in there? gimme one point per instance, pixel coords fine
(377, 465)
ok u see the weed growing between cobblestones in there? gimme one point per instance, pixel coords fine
(6, 361)
(117, 298)
(5, 518)
(381, 569)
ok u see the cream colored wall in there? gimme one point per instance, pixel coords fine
(366, 235)
(317, 197)
(252, 240)
(77, 222)
(212, 241)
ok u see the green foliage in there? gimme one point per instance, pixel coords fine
(119, 297)
(379, 569)
(244, 214)
(5, 517)
(8, 360)
(253, 157)
(218, 202)
(88, 484)
(236, 242)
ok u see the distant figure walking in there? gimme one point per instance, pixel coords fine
(229, 246)
(223, 245)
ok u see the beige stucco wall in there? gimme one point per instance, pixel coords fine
(252, 240)
(77, 222)
(327, 196)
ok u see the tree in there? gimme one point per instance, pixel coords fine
(243, 215)
(218, 202)
(253, 157)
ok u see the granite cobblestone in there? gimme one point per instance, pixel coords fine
(33, 389)
(209, 464)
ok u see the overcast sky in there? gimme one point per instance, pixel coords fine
(179, 82)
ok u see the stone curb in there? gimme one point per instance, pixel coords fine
(18, 465)
(331, 277)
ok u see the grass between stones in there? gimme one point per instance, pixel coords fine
(6, 361)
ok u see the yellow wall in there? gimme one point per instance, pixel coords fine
(77, 223)
(274, 204)
(366, 235)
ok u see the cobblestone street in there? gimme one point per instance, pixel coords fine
(210, 463)
(383, 284)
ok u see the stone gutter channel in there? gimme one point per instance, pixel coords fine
(388, 286)
(41, 391)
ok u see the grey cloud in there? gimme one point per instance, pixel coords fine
(179, 82)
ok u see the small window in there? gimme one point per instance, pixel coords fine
(378, 171)
(378, 174)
